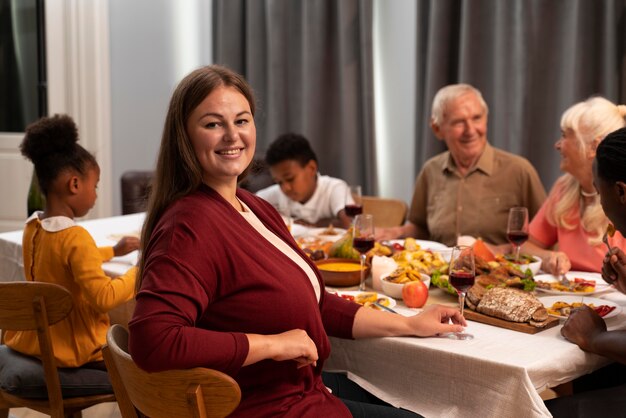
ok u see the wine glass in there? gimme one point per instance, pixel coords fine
(363, 241)
(517, 228)
(354, 204)
(461, 275)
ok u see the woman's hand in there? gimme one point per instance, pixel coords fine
(435, 319)
(293, 345)
(125, 246)
(614, 269)
(583, 327)
(556, 263)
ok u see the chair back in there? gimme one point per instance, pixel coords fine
(135, 191)
(197, 392)
(387, 212)
(36, 306)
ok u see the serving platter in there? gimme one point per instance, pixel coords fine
(601, 285)
(502, 323)
(548, 301)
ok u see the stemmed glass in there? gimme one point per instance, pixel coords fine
(517, 228)
(354, 203)
(363, 241)
(462, 273)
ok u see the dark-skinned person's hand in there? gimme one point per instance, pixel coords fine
(125, 246)
(582, 327)
(614, 268)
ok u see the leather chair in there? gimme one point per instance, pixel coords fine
(28, 382)
(196, 392)
(135, 191)
(258, 177)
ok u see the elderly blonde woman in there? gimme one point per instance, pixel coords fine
(571, 219)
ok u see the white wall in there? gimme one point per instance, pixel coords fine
(154, 43)
(394, 85)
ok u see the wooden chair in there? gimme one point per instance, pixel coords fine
(387, 212)
(37, 306)
(196, 392)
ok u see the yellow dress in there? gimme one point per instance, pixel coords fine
(56, 250)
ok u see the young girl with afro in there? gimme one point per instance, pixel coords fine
(57, 250)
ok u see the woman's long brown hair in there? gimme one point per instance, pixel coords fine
(178, 171)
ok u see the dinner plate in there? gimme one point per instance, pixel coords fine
(548, 301)
(298, 230)
(601, 285)
(319, 232)
(424, 244)
(392, 301)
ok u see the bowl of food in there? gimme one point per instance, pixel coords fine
(393, 283)
(341, 271)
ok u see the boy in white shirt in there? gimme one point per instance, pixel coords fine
(312, 198)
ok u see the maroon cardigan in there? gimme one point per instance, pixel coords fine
(210, 278)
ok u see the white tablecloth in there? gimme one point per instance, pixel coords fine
(499, 373)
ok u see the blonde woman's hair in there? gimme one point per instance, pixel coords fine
(594, 118)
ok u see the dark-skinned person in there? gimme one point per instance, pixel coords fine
(311, 198)
(58, 250)
(602, 393)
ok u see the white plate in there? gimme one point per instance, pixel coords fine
(319, 233)
(601, 285)
(424, 244)
(381, 295)
(548, 301)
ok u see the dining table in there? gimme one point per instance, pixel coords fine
(499, 373)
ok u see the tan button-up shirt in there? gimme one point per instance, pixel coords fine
(446, 204)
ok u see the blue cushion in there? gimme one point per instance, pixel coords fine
(22, 375)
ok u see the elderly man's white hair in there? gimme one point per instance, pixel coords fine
(449, 93)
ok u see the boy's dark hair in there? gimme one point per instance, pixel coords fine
(51, 143)
(290, 147)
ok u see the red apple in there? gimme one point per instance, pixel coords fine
(414, 294)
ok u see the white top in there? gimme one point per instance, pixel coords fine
(327, 200)
(252, 219)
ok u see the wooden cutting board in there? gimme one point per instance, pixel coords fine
(515, 326)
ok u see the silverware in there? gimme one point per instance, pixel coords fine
(605, 239)
(383, 307)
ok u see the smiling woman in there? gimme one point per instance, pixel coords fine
(224, 285)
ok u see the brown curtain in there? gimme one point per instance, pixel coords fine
(532, 59)
(310, 63)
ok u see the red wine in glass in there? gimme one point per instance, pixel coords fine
(363, 245)
(517, 238)
(462, 280)
(353, 210)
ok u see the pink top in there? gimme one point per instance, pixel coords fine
(574, 243)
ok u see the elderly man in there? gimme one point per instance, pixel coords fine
(468, 189)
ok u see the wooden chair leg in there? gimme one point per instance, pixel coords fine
(4, 413)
